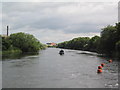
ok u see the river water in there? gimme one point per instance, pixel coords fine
(48, 69)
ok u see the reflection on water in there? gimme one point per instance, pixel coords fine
(18, 56)
(48, 69)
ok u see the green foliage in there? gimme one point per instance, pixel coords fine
(118, 30)
(118, 46)
(76, 43)
(21, 42)
(6, 43)
(11, 51)
(108, 43)
(108, 40)
(25, 42)
(93, 44)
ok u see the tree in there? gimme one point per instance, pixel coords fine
(108, 43)
(6, 43)
(93, 44)
(118, 48)
(25, 42)
(108, 40)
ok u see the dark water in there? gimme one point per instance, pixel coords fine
(50, 70)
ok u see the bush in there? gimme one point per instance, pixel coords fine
(118, 48)
(25, 42)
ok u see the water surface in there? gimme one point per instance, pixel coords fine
(50, 70)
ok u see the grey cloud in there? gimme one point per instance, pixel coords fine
(70, 18)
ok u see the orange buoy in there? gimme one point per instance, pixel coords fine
(99, 67)
(110, 61)
(99, 71)
(102, 64)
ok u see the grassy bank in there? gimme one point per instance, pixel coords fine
(19, 43)
(8, 52)
(11, 53)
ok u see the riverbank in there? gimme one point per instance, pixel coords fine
(11, 53)
(19, 43)
(107, 44)
(116, 56)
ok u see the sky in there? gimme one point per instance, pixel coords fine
(58, 21)
(59, 0)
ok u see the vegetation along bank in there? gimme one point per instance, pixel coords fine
(20, 43)
(108, 43)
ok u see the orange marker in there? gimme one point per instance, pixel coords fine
(99, 71)
(102, 64)
(99, 67)
(110, 61)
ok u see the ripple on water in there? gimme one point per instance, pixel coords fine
(49, 69)
(112, 85)
(30, 57)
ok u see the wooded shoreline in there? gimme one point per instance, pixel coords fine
(19, 43)
(108, 43)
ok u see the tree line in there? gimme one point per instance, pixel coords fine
(108, 43)
(20, 43)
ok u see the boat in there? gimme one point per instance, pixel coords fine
(61, 52)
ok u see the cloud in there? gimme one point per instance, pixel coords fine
(67, 19)
(60, 1)
(0, 18)
(48, 35)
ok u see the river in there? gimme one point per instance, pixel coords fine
(48, 69)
